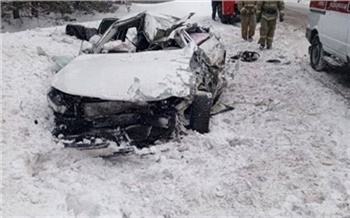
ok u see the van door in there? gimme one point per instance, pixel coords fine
(334, 28)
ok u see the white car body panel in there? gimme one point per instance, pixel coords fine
(333, 32)
(333, 26)
(145, 76)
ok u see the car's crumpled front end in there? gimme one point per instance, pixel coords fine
(121, 97)
(87, 119)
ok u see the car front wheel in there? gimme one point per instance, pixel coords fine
(200, 112)
(317, 55)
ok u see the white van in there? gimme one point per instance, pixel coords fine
(328, 32)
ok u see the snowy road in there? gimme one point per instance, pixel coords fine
(283, 152)
(296, 15)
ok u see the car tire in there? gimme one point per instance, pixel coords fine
(200, 112)
(317, 55)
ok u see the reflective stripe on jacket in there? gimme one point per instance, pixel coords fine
(268, 9)
(249, 6)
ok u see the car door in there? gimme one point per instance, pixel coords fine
(334, 29)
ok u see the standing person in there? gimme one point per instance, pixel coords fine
(128, 5)
(214, 6)
(267, 12)
(247, 9)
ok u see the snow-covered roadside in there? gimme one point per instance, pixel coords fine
(16, 25)
(44, 22)
(304, 128)
(284, 150)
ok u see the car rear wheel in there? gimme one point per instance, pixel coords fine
(317, 55)
(200, 112)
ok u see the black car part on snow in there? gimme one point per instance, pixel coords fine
(247, 56)
(80, 31)
(85, 33)
(276, 61)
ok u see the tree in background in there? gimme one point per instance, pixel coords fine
(13, 9)
(34, 9)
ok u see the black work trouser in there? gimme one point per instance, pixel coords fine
(214, 5)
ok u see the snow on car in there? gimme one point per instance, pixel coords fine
(173, 80)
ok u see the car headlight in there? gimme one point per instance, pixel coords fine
(56, 101)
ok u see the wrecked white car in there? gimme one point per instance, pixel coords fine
(170, 77)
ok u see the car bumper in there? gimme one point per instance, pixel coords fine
(138, 128)
(86, 118)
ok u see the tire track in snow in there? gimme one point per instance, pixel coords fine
(337, 80)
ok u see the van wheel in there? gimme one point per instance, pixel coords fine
(317, 54)
(200, 112)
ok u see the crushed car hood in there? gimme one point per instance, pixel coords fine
(145, 76)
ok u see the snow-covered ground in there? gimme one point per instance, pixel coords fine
(283, 152)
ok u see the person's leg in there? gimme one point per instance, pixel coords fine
(271, 33)
(214, 5)
(263, 32)
(244, 26)
(252, 25)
